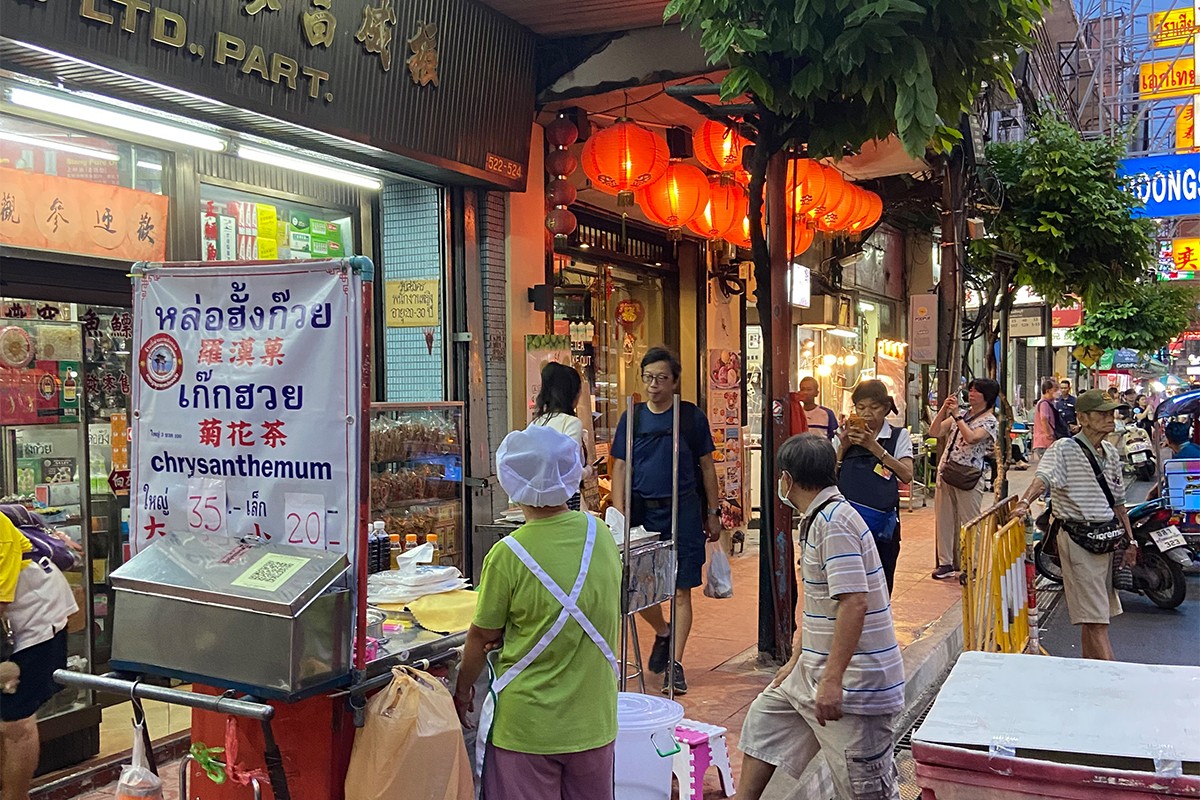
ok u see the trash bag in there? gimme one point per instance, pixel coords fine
(138, 781)
(411, 747)
(720, 572)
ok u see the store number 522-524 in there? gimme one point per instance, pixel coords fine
(206, 509)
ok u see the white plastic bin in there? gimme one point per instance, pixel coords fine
(645, 746)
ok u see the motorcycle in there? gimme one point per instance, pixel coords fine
(1139, 454)
(1162, 554)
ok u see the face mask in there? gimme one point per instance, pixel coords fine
(783, 498)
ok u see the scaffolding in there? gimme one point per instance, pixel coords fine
(1133, 71)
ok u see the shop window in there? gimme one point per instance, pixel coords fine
(240, 226)
(38, 148)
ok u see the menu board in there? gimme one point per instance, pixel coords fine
(725, 417)
(234, 431)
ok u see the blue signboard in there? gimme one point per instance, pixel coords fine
(1169, 185)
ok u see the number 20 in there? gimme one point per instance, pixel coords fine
(312, 528)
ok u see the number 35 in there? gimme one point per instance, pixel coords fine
(205, 513)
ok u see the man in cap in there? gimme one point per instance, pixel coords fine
(1087, 503)
(551, 592)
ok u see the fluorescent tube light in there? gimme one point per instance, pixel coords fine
(51, 144)
(309, 167)
(843, 333)
(144, 126)
(149, 165)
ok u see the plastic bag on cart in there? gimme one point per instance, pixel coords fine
(411, 745)
(719, 582)
(138, 781)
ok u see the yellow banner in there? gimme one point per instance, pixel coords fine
(1174, 28)
(1185, 253)
(1185, 127)
(1175, 78)
(412, 304)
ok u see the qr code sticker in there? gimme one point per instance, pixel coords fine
(270, 572)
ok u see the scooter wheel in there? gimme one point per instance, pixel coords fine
(1172, 589)
(1145, 473)
(1047, 565)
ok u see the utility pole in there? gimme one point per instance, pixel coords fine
(950, 286)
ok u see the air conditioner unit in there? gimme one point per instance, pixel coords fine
(827, 311)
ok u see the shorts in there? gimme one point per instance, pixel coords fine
(781, 729)
(1087, 583)
(691, 552)
(569, 776)
(37, 684)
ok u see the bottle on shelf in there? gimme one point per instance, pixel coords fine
(395, 548)
(377, 541)
(410, 541)
(432, 539)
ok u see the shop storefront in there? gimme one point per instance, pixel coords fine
(222, 132)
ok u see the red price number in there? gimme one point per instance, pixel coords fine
(305, 528)
(207, 514)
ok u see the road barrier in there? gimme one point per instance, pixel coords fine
(999, 599)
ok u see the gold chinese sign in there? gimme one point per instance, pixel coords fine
(412, 303)
(47, 212)
(1185, 256)
(1185, 127)
(318, 27)
(1174, 28)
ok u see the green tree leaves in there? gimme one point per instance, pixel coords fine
(1152, 314)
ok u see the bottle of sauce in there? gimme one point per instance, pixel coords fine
(396, 549)
(410, 541)
(432, 539)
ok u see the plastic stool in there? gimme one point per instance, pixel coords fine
(701, 746)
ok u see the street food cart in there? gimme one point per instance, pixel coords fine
(1008, 726)
(257, 470)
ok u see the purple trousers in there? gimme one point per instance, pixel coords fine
(567, 776)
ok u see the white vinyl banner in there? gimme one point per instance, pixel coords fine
(246, 402)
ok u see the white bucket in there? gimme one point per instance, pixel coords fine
(645, 746)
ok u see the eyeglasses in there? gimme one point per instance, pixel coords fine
(651, 379)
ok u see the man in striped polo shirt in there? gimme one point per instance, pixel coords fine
(843, 689)
(1076, 496)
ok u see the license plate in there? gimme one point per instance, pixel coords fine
(1167, 538)
(1139, 457)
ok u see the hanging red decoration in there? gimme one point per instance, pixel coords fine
(838, 216)
(802, 237)
(726, 208)
(624, 158)
(872, 214)
(561, 133)
(719, 148)
(809, 193)
(677, 198)
(835, 187)
(740, 235)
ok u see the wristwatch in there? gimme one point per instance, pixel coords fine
(714, 512)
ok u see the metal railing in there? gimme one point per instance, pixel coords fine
(999, 598)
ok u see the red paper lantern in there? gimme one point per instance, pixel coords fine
(561, 222)
(718, 147)
(802, 237)
(838, 217)
(809, 193)
(624, 158)
(740, 235)
(677, 198)
(561, 192)
(873, 211)
(562, 132)
(835, 187)
(727, 203)
(561, 162)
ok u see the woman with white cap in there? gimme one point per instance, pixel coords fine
(551, 593)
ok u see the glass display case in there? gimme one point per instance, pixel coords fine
(416, 455)
(45, 466)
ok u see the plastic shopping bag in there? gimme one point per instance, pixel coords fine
(720, 572)
(138, 781)
(411, 747)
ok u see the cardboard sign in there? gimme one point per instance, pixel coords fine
(412, 304)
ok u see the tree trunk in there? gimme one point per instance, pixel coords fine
(950, 292)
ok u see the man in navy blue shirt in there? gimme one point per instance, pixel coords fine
(650, 505)
(1065, 405)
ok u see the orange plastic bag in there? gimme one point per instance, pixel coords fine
(411, 747)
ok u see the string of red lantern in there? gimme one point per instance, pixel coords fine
(560, 163)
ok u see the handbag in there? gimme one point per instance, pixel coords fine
(46, 545)
(882, 524)
(960, 476)
(1099, 538)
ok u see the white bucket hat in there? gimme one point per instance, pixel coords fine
(539, 467)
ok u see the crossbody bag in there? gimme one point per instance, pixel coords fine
(961, 476)
(1096, 537)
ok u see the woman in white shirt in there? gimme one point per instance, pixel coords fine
(555, 409)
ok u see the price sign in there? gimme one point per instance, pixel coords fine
(207, 512)
(304, 521)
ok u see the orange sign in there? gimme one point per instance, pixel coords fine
(46, 212)
(1175, 78)
(1174, 28)
(1185, 127)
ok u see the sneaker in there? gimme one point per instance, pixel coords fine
(680, 681)
(659, 654)
(943, 573)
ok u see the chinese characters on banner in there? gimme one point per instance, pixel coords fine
(46, 212)
(725, 418)
(234, 431)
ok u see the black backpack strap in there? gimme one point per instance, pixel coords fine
(1087, 451)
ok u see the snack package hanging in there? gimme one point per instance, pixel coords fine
(138, 781)
(411, 747)
(719, 582)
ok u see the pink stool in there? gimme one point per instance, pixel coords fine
(701, 746)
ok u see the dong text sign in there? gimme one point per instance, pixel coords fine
(1168, 185)
(245, 402)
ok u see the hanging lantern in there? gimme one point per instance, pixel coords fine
(739, 236)
(561, 133)
(802, 236)
(873, 211)
(719, 148)
(675, 199)
(624, 158)
(810, 188)
(835, 187)
(838, 217)
(726, 207)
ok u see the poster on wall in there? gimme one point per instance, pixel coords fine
(540, 350)
(725, 418)
(922, 328)
(892, 371)
(233, 431)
